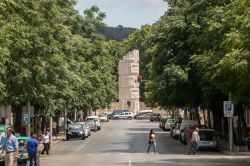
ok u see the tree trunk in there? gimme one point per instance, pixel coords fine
(209, 118)
(197, 115)
(185, 113)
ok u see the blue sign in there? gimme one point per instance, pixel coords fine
(26, 118)
(228, 107)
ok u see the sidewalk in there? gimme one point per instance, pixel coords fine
(224, 148)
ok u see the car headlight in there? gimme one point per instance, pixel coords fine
(81, 132)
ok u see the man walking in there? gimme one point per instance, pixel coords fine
(46, 141)
(11, 149)
(195, 140)
(32, 145)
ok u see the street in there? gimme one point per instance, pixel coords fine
(124, 142)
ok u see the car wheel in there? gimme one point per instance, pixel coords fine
(83, 138)
(130, 118)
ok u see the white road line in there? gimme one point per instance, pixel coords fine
(129, 161)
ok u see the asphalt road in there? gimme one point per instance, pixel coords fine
(124, 143)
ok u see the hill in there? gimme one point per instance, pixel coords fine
(118, 33)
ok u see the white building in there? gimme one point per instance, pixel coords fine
(128, 83)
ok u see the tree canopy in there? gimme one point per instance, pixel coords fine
(52, 56)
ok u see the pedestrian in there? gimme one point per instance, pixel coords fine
(54, 127)
(32, 145)
(10, 148)
(152, 140)
(189, 139)
(45, 141)
(50, 137)
(195, 140)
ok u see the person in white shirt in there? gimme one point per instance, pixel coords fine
(45, 141)
(195, 140)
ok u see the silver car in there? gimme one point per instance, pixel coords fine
(207, 139)
(86, 127)
(168, 124)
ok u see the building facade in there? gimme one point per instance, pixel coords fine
(128, 82)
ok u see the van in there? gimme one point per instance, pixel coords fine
(188, 123)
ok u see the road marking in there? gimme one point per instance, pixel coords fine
(129, 161)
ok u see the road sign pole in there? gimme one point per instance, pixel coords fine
(230, 127)
(230, 134)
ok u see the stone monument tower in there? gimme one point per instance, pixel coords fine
(128, 83)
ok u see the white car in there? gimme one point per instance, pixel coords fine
(103, 118)
(96, 120)
(168, 124)
(124, 115)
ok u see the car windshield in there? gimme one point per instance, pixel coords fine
(22, 144)
(92, 119)
(206, 135)
(75, 127)
(170, 120)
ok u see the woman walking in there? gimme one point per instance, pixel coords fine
(152, 140)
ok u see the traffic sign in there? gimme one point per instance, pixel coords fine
(26, 118)
(228, 108)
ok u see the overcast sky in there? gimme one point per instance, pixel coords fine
(128, 13)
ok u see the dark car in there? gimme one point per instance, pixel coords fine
(155, 117)
(76, 131)
(145, 115)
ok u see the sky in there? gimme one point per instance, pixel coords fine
(128, 13)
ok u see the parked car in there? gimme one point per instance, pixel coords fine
(175, 130)
(23, 154)
(124, 115)
(207, 139)
(162, 122)
(142, 113)
(145, 115)
(155, 117)
(96, 120)
(86, 127)
(76, 131)
(92, 125)
(103, 118)
(61, 123)
(168, 123)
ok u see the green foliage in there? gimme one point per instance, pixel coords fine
(196, 54)
(52, 56)
(118, 33)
